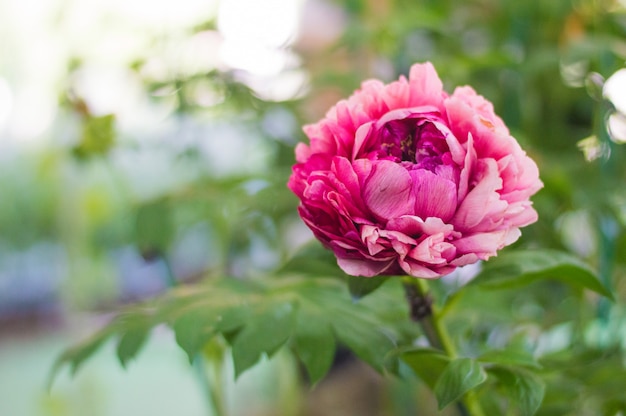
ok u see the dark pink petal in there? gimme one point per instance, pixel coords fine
(387, 191)
(434, 196)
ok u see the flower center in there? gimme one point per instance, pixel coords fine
(416, 142)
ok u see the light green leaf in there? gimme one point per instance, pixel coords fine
(98, 136)
(265, 333)
(427, 363)
(510, 357)
(314, 344)
(459, 377)
(524, 388)
(518, 268)
(361, 286)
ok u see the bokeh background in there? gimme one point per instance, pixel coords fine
(147, 144)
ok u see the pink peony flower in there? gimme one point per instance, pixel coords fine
(405, 179)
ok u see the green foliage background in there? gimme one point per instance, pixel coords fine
(534, 327)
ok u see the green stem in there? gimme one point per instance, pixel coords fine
(423, 312)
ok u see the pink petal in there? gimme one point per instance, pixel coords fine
(434, 196)
(482, 199)
(361, 267)
(387, 191)
(426, 87)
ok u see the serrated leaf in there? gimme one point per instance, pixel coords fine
(524, 388)
(365, 338)
(510, 357)
(195, 329)
(518, 268)
(362, 286)
(133, 328)
(427, 363)
(459, 377)
(78, 354)
(314, 344)
(265, 333)
(130, 343)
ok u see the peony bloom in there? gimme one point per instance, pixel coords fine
(406, 179)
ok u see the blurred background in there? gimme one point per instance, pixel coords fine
(146, 144)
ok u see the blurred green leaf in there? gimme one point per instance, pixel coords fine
(510, 357)
(265, 333)
(154, 227)
(524, 388)
(314, 344)
(518, 268)
(98, 136)
(138, 327)
(459, 377)
(362, 286)
(257, 318)
(427, 363)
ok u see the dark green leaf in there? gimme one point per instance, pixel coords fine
(264, 333)
(427, 363)
(314, 344)
(524, 388)
(459, 377)
(518, 268)
(362, 286)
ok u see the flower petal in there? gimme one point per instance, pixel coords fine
(435, 196)
(387, 191)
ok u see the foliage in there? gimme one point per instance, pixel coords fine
(539, 329)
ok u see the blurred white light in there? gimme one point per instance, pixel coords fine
(6, 101)
(288, 85)
(271, 23)
(615, 90)
(166, 12)
(617, 127)
(255, 32)
(33, 112)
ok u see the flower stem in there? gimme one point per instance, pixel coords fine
(422, 311)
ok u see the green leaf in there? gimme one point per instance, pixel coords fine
(133, 328)
(361, 286)
(130, 343)
(518, 268)
(315, 344)
(98, 136)
(76, 356)
(265, 333)
(153, 226)
(510, 357)
(427, 363)
(459, 377)
(524, 388)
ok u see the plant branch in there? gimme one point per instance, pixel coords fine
(422, 311)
